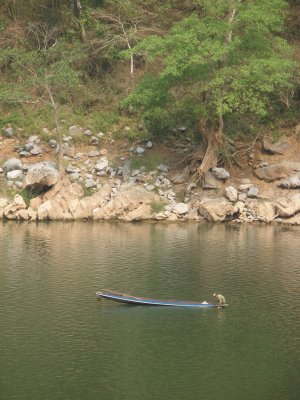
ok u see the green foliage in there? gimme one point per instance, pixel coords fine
(88, 192)
(206, 71)
(13, 118)
(54, 68)
(158, 121)
(29, 122)
(276, 135)
(96, 120)
(157, 206)
(149, 161)
(25, 193)
(190, 70)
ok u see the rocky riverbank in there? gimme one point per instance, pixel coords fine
(100, 182)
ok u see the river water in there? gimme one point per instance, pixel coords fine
(58, 342)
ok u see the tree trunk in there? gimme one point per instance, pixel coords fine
(61, 169)
(77, 8)
(214, 140)
(60, 143)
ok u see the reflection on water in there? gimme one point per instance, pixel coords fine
(58, 342)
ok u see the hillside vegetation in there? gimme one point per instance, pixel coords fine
(221, 69)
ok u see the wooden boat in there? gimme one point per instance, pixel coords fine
(125, 298)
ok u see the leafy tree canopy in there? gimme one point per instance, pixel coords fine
(228, 57)
(57, 67)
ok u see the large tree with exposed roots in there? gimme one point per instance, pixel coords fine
(227, 57)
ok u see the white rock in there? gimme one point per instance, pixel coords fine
(36, 151)
(94, 153)
(162, 168)
(19, 184)
(74, 176)
(9, 132)
(180, 208)
(150, 187)
(102, 164)
(231, 193)
(41, 175)
(242, 196)
(245, 186)
(252, 192)
(34, 139)
(140, 150)
(12, 164)
(220, 173)
(90, 183)
(13, 175)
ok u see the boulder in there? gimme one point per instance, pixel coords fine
(94, 153)
(85, 206)
(26, 215)
(126, 172)
(211, 182)
(36, 151)
(172, 218)
(71, 169)
(292, 182)
(162, 168)
(35, 203)
(10, 211)
(180, 208)
(245, 187)
(276, 171)
(272, 147)
(102, 164)
(40, 176)
(295, 220)
(25, 153)
(45, 210)
(217, 210)
(287, 207)
(29, 146)
(52, 143)
(252, 192)
(231, 193)
(90, 183)
(13, 175)
(131, 203)
(220, 173)
(140, 150)
(8, 132)
(182, 176)
(60, 202)
(262, 210)
(12, 165)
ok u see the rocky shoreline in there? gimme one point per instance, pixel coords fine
(118, 200)
(270, 195)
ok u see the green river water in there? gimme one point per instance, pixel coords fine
(57, 342)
